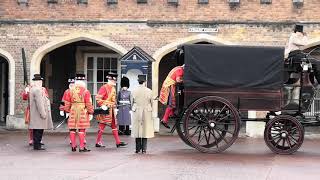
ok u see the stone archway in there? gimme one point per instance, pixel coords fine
(160, 53)
(11, 83)
(43, 50)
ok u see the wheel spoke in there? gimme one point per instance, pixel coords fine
(294, 140)
(219, 120)
(215, 138)
(220, 112)
(223, 137)
(278, 141)
(288, 141)
(283, 141)
(195, 131)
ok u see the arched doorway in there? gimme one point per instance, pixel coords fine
(4, 89)
(81, 56)
(167, 63)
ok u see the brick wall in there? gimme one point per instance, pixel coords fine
(187, 10)
(150, 38)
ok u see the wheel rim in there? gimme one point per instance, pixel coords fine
(212, 124)
(284, 134)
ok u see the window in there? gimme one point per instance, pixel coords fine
(82, 1)
(203, 1)
(142, 1)
(265, 1)
(52, 1)
(23, 2)
(112, 1)
(97, 67)
(173, 2)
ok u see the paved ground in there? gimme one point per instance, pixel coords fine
(168, 158)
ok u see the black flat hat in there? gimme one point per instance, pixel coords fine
(80, 77)
(71, 79)
(141, 78)
(37, 77)
(112, 74)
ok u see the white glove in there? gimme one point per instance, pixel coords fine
(104, 107)
(27, 89)
(61, 113)
(67, 115)
(130, 112)
(90, 117)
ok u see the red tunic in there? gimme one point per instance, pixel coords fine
(169, 86)
(106, 96)
(78, 102)
(65, 94)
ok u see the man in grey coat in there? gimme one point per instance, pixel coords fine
(40, 111)
(142, 125)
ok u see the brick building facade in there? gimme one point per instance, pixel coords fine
(49, 28)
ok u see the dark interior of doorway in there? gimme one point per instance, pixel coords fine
(4, 90)
(63, 63)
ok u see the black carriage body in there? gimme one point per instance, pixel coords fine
(251, 78)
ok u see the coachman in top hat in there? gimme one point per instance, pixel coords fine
(106, 99)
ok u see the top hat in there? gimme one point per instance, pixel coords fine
(125, 82)
(80, 77)
(71, 79)
(112, 75)
(141, 78)
(298, 28)
(37, 77)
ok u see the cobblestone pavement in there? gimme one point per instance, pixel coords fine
(167, 158)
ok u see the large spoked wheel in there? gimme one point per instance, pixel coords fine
(284, 134)
(211, 124)
(181, 132)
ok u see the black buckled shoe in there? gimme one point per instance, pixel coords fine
(100, 145)
(121, 144)
(84, 150)
(73, 149)
(165, 124)
(39, 148)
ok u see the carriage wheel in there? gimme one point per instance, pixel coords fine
(211, 124)
(284, 134)
(181, 132)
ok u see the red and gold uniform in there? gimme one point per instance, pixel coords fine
(78, 104)
(65, 95)
(167, 92)
(107, 97)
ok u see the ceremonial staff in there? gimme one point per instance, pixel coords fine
(24, 60)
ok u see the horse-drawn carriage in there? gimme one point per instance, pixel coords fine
(222, 82)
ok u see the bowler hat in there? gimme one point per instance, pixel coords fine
(71, 79)
(37, 77)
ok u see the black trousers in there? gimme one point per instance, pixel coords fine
(141, 143)
(37, 137)
(125, 129)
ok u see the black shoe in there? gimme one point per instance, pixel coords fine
(165, 124)
(99, 145)
(84, 150)
(39, 148)
(73, 149)
(144, 151)
(42, 144)
(121, 144)
(30, 144)
(137, 151)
